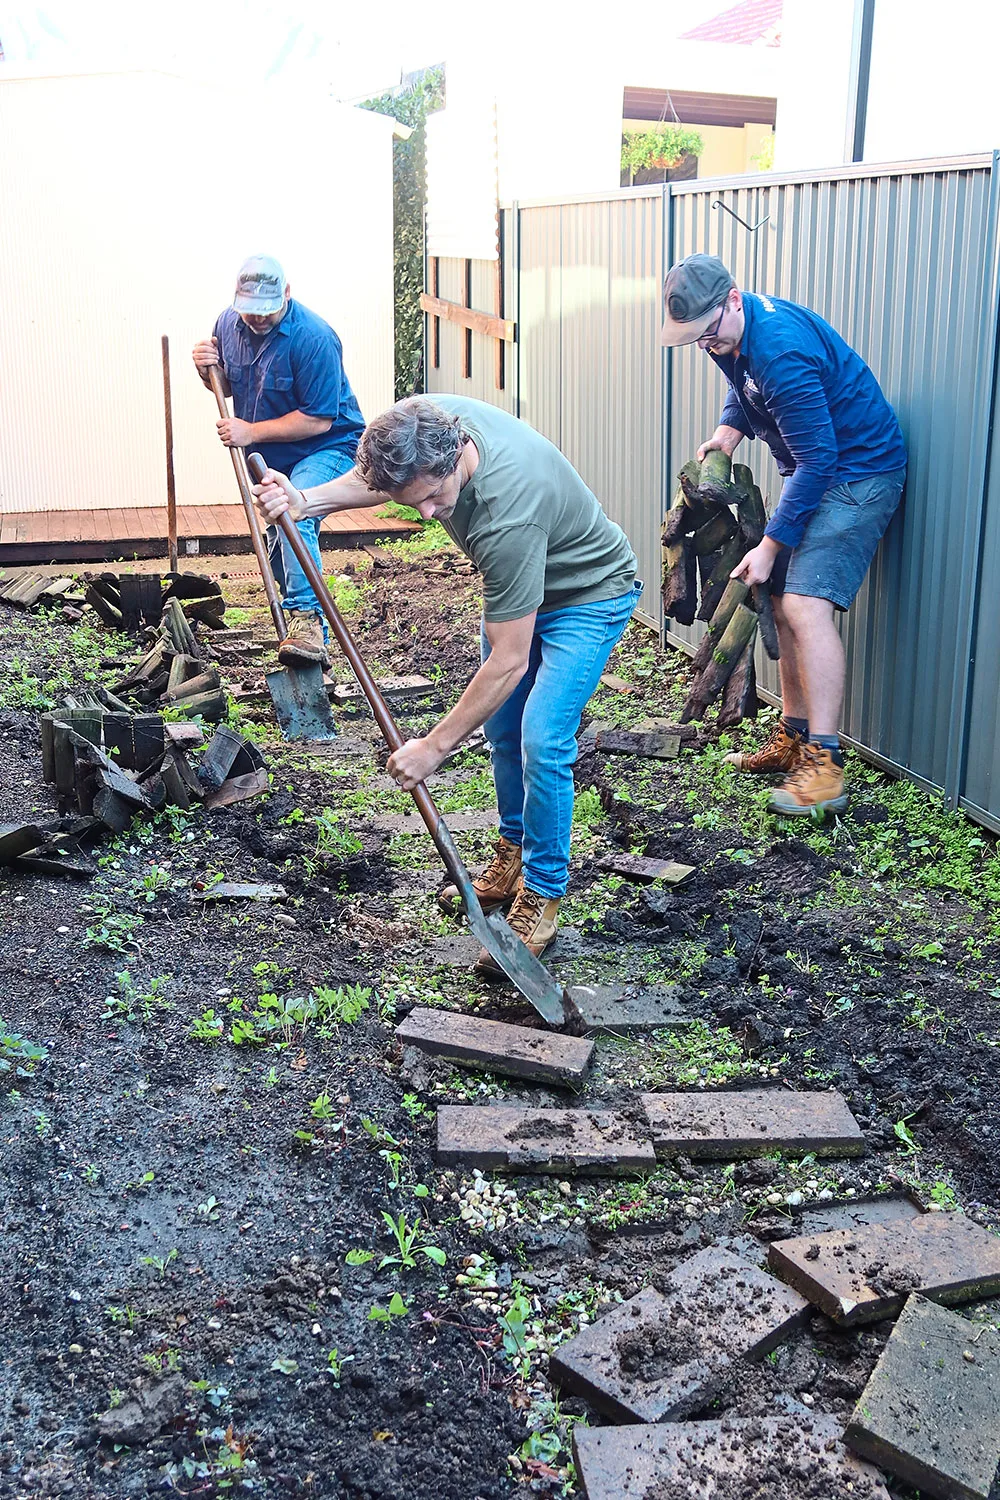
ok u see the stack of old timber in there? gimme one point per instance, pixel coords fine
(174, 672)
(717, 516)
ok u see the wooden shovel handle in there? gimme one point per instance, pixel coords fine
(243, 480)
(383, 717)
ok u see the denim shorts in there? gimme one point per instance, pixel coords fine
(840, 539)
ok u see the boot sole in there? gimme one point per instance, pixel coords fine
(835, 805)
(762, 770)
(289, 658)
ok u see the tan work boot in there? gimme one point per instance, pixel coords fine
(815, 786)
(495, 886)
(304, 642)
(780, 753)
(534, 919)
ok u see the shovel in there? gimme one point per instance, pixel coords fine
(515, 959)
(299, 696)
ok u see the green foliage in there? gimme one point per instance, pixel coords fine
(348, 594)
(335, 1362)
(333, 838)
(17, 1054)
(359, 1257)
(409, 105)
(112, 932)
(342, 1006)
(587, 809)
(763, 160)
(397, 1309)
(409, 1244)
(133, 1003)
(431, 537)
(662, 145)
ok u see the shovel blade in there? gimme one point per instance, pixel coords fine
(300, 703)
(518, 962)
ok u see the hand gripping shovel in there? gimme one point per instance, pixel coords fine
(300, 702)
(517, 961)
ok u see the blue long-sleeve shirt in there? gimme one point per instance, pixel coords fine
(815, 403)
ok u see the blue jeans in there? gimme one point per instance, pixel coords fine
(532, 737)
(292, 583)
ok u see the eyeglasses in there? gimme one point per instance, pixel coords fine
(711, 334)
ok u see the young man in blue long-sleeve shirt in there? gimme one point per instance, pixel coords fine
(796, 384)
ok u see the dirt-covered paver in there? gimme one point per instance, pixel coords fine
(206, 1123)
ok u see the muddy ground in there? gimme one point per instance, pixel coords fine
(195, 1172)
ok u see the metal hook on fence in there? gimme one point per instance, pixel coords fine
(752, 227)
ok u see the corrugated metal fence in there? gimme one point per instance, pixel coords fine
(902, 260)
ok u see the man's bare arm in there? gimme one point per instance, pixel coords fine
(510, 648)
(276, 494)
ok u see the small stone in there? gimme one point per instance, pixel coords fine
(794, 1199)
(566, 1189)
(76, 1348)
(774, 1198)
(282, 919)
(214, 1323)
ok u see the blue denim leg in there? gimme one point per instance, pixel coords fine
(533, 735)
(292, 583)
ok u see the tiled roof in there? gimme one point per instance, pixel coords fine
(750, 21)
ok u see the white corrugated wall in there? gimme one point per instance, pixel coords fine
(127, 202)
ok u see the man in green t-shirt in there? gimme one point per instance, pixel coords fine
(559, 588)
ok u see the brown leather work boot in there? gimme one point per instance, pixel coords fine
(534, 919)
(495, 886)
(304, 642)
(779, 753)
(815, 786)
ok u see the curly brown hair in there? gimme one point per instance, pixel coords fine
(415, 439)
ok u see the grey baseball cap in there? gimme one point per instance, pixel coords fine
(260, 286)
(694, 290)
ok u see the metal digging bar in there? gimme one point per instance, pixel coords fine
(300, 702)
(515, 959)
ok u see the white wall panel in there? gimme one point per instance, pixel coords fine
(128, 203)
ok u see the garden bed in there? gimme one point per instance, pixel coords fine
(205, 1115)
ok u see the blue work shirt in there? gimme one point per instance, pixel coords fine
(813, 401)
(297, 366)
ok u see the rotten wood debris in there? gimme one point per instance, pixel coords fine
(703, 541)
(110, 764)
(122, 601)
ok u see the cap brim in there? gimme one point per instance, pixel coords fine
(257, 306)
(673, 335)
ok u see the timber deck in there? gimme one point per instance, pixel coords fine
(127, 534)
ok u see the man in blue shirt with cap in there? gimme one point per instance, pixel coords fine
(796, 384)
(283, 366)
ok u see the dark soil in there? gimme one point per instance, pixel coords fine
(133, 1140)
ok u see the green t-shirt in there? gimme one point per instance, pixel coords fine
(534, 530)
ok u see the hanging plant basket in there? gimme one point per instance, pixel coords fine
(661, 147)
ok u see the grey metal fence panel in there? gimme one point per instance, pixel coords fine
(540, 282)
(899, 264)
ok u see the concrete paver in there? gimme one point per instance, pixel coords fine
(750, 1122)
(861, 1275)
(662, 1355)
(510, 1137)
(931, 1411)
